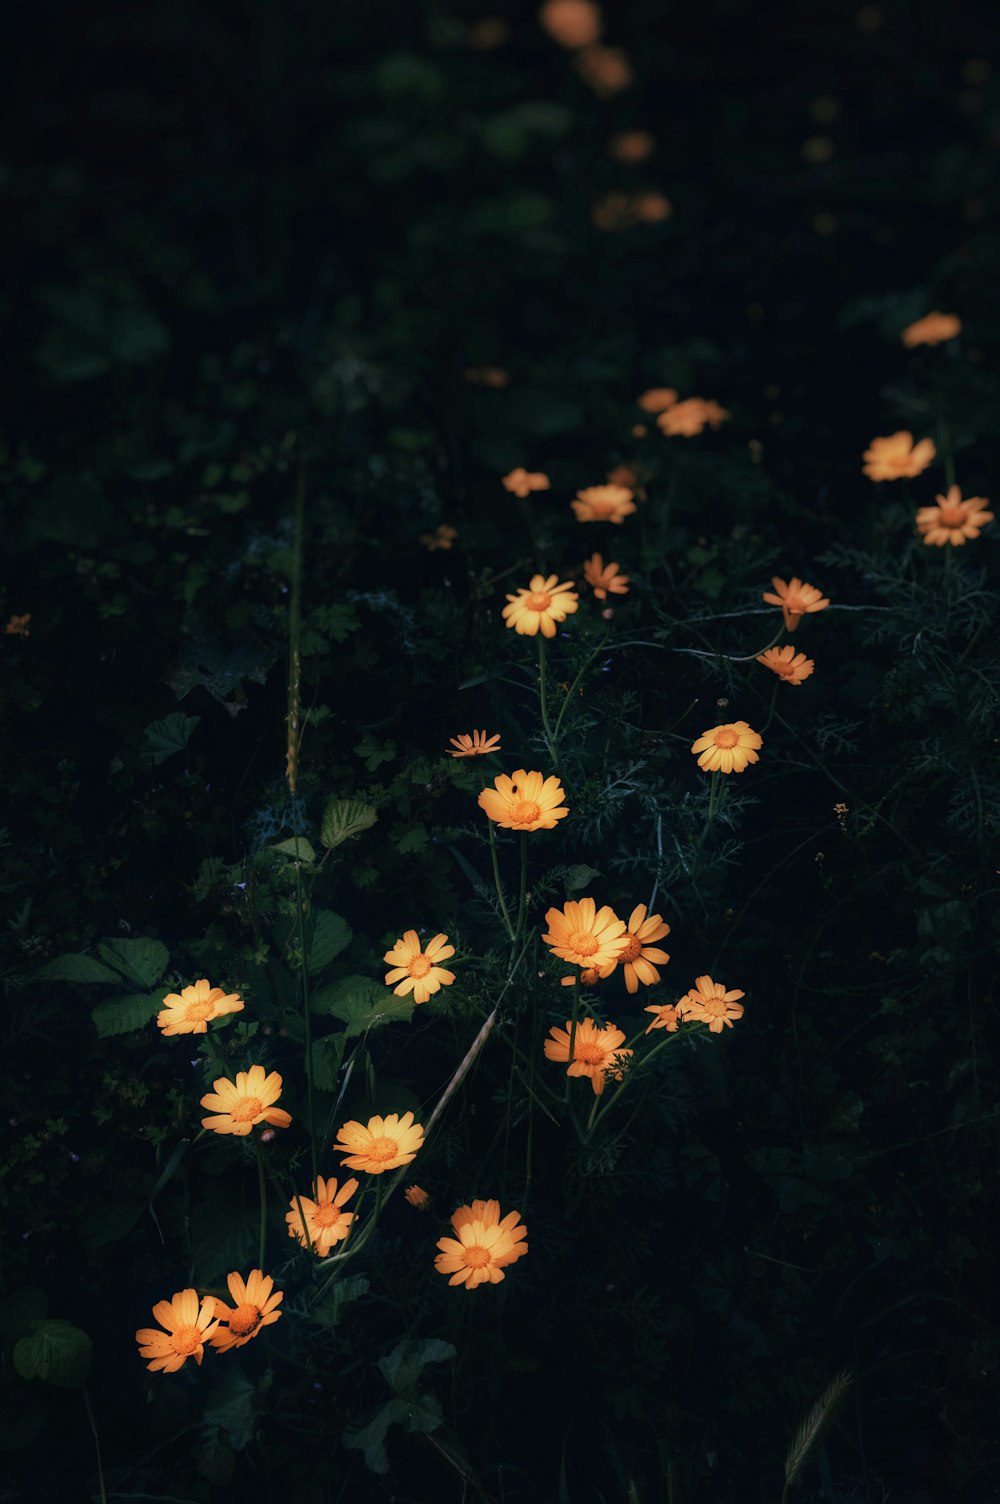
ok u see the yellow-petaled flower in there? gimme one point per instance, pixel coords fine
(476, 745)
(604, 578)
(484, 1246)
(416, 970)
(657, 399)
(524, 801)
(953, 520)
(585, 935)
(545, 603)
(727, 749)
(897, 457)
(188, 1328)
(385, 1144)
(691, 417)
(249, 1102)
(417, 1196)
(787, 664)
(603, 504)
(255, 1308)
(326, 1222)
(521, 482)
(597, 1051)
(667, 1017)
(931, 330)
(191, 1011)
(588, 977)
(639, 954)
(795, 599)
(709, 1003)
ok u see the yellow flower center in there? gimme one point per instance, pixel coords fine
(187, 1340)
(524, 812)
(476, 1257)
(325, 1216)
(589, 1054)
(952, 516)
(203, 1008)
(382, 1148)
(726, 739)
(633, 948)
(538, 601)
(583, 942)
(245, 1319)
(419, 966)
(246, 1110)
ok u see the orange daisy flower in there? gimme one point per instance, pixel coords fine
(787, 664)
(606, 70)
(241, 1107)
(484, 1247)
(190, 1011)
(631, 146)
(524, 801)
(691, 417)
(953, 520)
(727, 749)
(416, 970)
(385, 1144)
(522, 482)
(667, 1017)
(476, 745)
(603, 504)
(651, 208)
(18, 626)
(597, 1051)
(545, 603)
(639, 954)
(326, 1222)
(417, 1196)
(188, 1328)
(897, 457)
(709, 1003)
(571, 23)
(657, 399)
(604, 579)
(932, 329)
(255, 1308)
(795, 599)
(586, 936)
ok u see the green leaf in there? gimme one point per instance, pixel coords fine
(330, 936)
(215, 1460)
(296, 847)
(579, 877)
(344, 818)
(343, 1293)
(229, 1406)
(19, 1310)
(403, 1366)
(75, 968)
(326, 1058)
(415, 840)
(362, 1004)
(56, 1351)
(124, 1015)
(370, 1439)
(107, 1223)
(374, 752)
(223, 1234)
(164, 738)
(141, 962)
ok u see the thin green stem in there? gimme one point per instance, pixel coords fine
(576, 682)
(522, 903)
(499, 885)
(572, 1037)
(97, 1442)
(262, 1187)
(770, 708)
(543, 702)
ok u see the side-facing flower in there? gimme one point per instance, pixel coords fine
(255, 1308)
(953, 520)
(417, 1196)
(476, 745)
(795, 599)
(484, 1246)
(932, 329)
(667, 1016)
(597, 1051)
(603, 504)
(191, 1011)
(708, 1002)
(326, 1222)
(242, 1106)
(639, 954)
(588, 977)
(521, 482)
(604, 579)
(541, 607)
(896, 457)
(188, 1328)
(585, 935)
(384, 1144)
(657, 399)
(415, 969)
(727, 749)
(787, 664)
(524, 801)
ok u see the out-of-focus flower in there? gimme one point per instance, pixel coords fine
(571, 23)
(487, 33)
(795, 599)
(494, 376)
(691, 417)
(953, 520)
(603, 504)
(521, 482)
(932, 329)
(896, 457)
(657, 399)
(443, 536)
(604, 578)
(787, 664)
(417, 1196)
(632, 146)
(606, 70)
(18, 626)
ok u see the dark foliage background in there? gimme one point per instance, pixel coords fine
(248, 242)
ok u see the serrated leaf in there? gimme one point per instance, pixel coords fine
(362, 1005)
(326, 1057)
(344, 1292)
(75, 968)
(141, 962)
(124, 1015)
(215, 1460)
(331, 934)
(403, 1366)
(229, 1407)
(370, 1438)
(164, 738)
(579, 876)
(344, 818)
(296, 847)
(56, 1351)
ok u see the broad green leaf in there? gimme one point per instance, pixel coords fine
(124, 1015)
(344, 818)
(579, 877)
(110, 1221)
(141, 962)
(403, 1366)
(20, 1309)
(326, 1057)
(75, 968)
(330, 936)
(297, 847)
(215, 1459)
(363, 1004)
(351, 1288)
(370, 1438)
(229, 1406)
(164, 738)
(55, 1351)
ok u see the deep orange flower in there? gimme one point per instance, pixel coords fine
(727, 749)
(524, 801)
(657, 399)
(607, 70)
(795, 599)
(603, 504)
(666, 1017)
(416, 969)
(384, 1144)
(521, 482)
(187, 1330)
(18, 626)
(787, 664)
(588, 977)
(585, 935)
(571, 23)
(932, 329)
(191, 1011)
(476, 745)
(442, 537)
(953, 520)
(249, 1102)
(639, 954)
(541, 607)
(597, 1051)
(256, 1307)
(604, 578)
(326, 1222)
(897, 457)
(632, 146)
(494, 376)
(691, 417)
(484, 1247)
(417, 1196)
(709, 1003)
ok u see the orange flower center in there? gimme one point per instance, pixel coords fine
(419, 966)
(726, 739)
(524, 812)
(476, 1257)
(714, 1005)
(538, 601)
(583, 942)
(187, 1340)
(246, 1110)
(382, 1148)
(589, 1054)
(325, 1216)
(952, 516)
(203, 1008)
(633, 948)
(245, 1319)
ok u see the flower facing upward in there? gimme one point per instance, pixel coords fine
(597, 1051)
(416, 970)
(953, 520)
(522, 482)
(191, 1011)
(795, 599)
(385, 1144)
(476, 745)
(604, 579)
(255, 1308)
(657, 399)
(249, 1102)
(639, 953)
(524, 801)
(417, 1196)
(18, 626)
(666, 1017)
(539, 608)
(691, 417)
(931, 330)
(326, 1222)
(585, 935)
(727, 749)
(603, 504)
(187, 1330)
(484, 1247)
(442, 537)
(897, 457)
(787, 664)
(709, 1003)
(571, 23)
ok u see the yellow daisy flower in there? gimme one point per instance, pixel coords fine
(931, 330)
(484, 1246)
(325, 1219)
(385, 1144)
(603, 504)
(524, 801)
(241, 1107)
(708, 1002)
(585, 935)
(521, 482)
(255, 1308)
(953, 520)
(545, 603)
(597, 1051)
(638, 956)
(415, 969)
(188, 1328)
(727, 749)
(667, 1017)
(476, 745)
(191, 1011)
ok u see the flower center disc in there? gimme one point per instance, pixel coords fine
(246, 1111)
(589, 1054)
(538, 601)
(187, 1339)
(524, 812)
(632, 949)
(726, 739)
(477, 1257)
(323, 1216)
(952, 516)
(419, 966)
(583, 943)
(203, 1009)
(244, 1319)
(383, 1148)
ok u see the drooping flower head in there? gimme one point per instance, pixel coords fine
(666, 1016)
(795, 599)
(385, 1144)
(476, 745)
(897, 457)
(639, 954)
(932, 329)
(581, 933)
(525, 801)
(588, 977)
(545, 603)
(597, 1051)
(787, 664)
(191, 1011)
(255, 1308)
(522, 482)
(603, 504)
(953, 520)
(727, 749)
(242, 1106)
(187, 1329)
(326, 1222)
(604, 579)
(484, 1245)
(415, 969)
(709, 1003)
